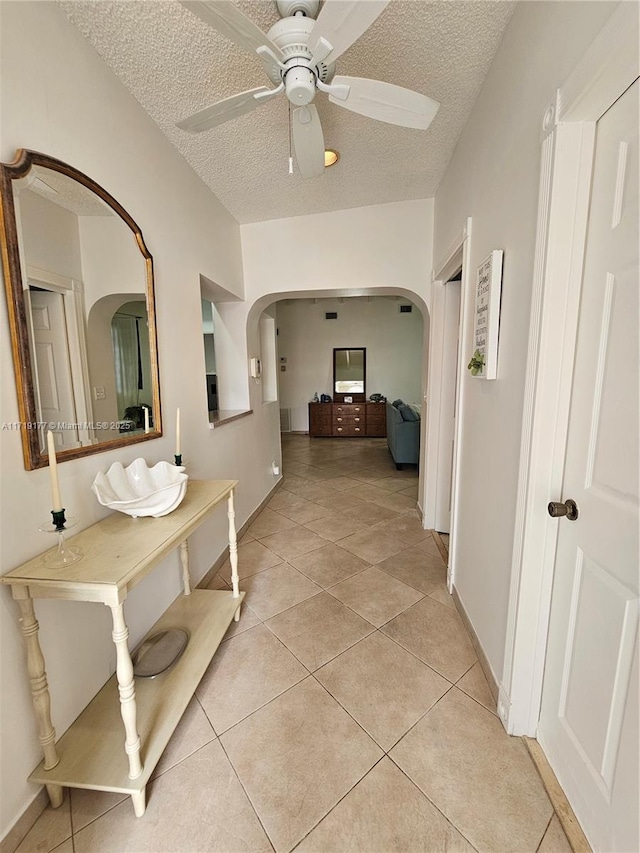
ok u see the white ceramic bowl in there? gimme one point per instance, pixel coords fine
(140, 490)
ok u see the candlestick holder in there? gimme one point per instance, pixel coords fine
(64, 554)
(178, 458)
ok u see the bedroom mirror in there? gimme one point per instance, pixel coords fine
(80, 293)
(349, 372)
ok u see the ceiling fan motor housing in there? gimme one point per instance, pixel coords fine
(291, 35)
(300, 85)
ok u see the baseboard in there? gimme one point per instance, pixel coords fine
(569, 822)
(204, 582)
(484, 663)
(21, 827)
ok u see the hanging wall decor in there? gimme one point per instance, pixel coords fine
(486, 323)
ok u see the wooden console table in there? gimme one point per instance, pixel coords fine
(118, 552)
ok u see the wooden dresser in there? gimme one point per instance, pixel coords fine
(342, 420)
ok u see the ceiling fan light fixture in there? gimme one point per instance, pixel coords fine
(331, 157)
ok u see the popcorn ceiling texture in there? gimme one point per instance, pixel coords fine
(175, 65)
(67, 193)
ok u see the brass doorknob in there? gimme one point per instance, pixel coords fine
(569, 509)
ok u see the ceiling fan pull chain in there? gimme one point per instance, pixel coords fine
(290, 143)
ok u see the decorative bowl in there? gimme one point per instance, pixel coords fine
(140, 490)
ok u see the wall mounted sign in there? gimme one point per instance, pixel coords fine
(486, 323)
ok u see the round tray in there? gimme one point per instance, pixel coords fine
(159, 652)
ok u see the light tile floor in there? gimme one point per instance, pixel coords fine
(346, 710)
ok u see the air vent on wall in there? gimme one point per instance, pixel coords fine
(331, 315)
(406, 309)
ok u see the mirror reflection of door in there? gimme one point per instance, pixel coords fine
(54, 388)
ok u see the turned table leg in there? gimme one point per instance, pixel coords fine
(233, 551)
(127, 691)
(39, 688)
(184, 559)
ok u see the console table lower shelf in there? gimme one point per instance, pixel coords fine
(88, 760)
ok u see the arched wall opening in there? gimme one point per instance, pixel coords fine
(263, 316)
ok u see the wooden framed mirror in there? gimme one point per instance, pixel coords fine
(80, 294)
(349, 373)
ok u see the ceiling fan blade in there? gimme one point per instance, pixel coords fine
(386, 102)
(308, 141)
(224, 17)
(339, 24)
(236, 105)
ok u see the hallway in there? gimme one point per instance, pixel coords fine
(346, 711)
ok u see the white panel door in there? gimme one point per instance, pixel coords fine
(589, 717)
(448, 386)
(53, 367)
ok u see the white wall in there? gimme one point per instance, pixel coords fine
(111, 259)
(58, 97)
(393, 342)
(493, 177)
(384, 245)
(50, 236)
(382, 249)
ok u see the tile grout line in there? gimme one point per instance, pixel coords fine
(246, 793)
(449, 821)
(546, 829)
(355, 785)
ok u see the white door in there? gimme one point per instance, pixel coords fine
(589, 717)
(53, 367)
(451, 333)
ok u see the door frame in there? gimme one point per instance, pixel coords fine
(605, 71)
(457, 256)
(72, 292)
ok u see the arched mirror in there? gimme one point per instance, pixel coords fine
(80, 293)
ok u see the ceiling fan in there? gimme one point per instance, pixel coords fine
(298, 54)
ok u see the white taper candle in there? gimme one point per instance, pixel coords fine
(178, 432)
(56, 500)
(146, 419)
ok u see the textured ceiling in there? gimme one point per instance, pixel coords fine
(64, 191)
(175, 65)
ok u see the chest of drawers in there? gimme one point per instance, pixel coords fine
(347, 420)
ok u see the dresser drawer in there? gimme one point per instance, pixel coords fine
(376, 427)
(320, 417)
(348, 429)
(357, 420)
(377, 410)
(349, 409)
(321, 428)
